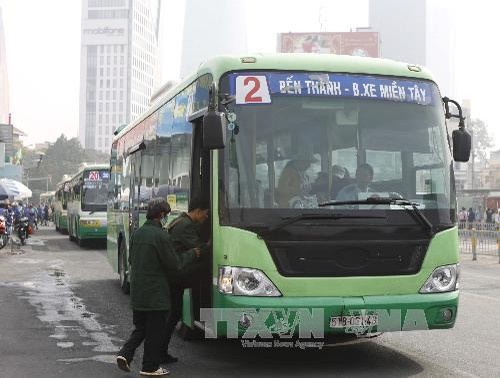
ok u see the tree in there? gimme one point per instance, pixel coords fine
(481, 140)
(62, 157)
(94, 156)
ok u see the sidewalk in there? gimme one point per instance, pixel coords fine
(483, 259)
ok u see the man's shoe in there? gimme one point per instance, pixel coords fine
(168, 359)
(123, 363)
(160, 371)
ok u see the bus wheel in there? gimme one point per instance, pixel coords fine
(122, 260)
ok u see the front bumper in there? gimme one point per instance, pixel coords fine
(395, 312)
(93, 232)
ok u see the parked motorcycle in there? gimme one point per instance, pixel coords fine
(22, 229)
(4, 236)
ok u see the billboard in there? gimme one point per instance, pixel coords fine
(342, 43)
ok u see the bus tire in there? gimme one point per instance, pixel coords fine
(81, 242)
(122, 261)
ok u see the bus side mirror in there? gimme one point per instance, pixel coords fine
(461, 138)
(461, 145)
(214, 130)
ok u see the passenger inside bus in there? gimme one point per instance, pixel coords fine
(361, 188)
(294, 183)
(340, 179)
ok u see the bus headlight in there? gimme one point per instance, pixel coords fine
(442, 279)
(245, 281)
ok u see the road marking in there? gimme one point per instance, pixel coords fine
(106, 358)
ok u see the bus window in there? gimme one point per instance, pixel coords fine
(125, 185)
(163, 144)
(147, 175)
(334, 134)
(94, 192)
(180, 153)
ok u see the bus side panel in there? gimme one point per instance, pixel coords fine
(113, 234)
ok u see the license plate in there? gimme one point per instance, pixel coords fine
(353, 321)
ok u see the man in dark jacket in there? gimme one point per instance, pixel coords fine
(185, 233)
(152, 259)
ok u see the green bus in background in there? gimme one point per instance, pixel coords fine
(61, 205)
(47, 198)
(88, 193)
(330, 181)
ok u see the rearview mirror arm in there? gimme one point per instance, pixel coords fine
(448, 114)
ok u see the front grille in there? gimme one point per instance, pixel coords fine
(348, 257)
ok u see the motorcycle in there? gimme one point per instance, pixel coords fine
(4, 236)
(22, 229)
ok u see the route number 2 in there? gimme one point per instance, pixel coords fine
(252, 90)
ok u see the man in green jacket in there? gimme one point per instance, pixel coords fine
(152, 259)
(185, 234)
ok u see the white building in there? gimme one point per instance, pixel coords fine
(119, 66)
(212, 30)
(4, 82)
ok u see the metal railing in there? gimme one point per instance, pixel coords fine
(479, 238)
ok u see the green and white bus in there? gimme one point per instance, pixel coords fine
(47, 198)
(238, 132)
(61, 205)
(88, 196)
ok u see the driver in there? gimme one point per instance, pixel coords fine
(360, 189)
(294, 183)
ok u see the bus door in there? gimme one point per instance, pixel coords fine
(200, 186)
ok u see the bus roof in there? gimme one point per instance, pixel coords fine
(219, 65)
(44, 194)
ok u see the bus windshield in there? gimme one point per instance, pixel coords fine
(95, 190)
(316, 138)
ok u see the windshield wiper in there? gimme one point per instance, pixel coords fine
(402, 202)
(290, 220)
